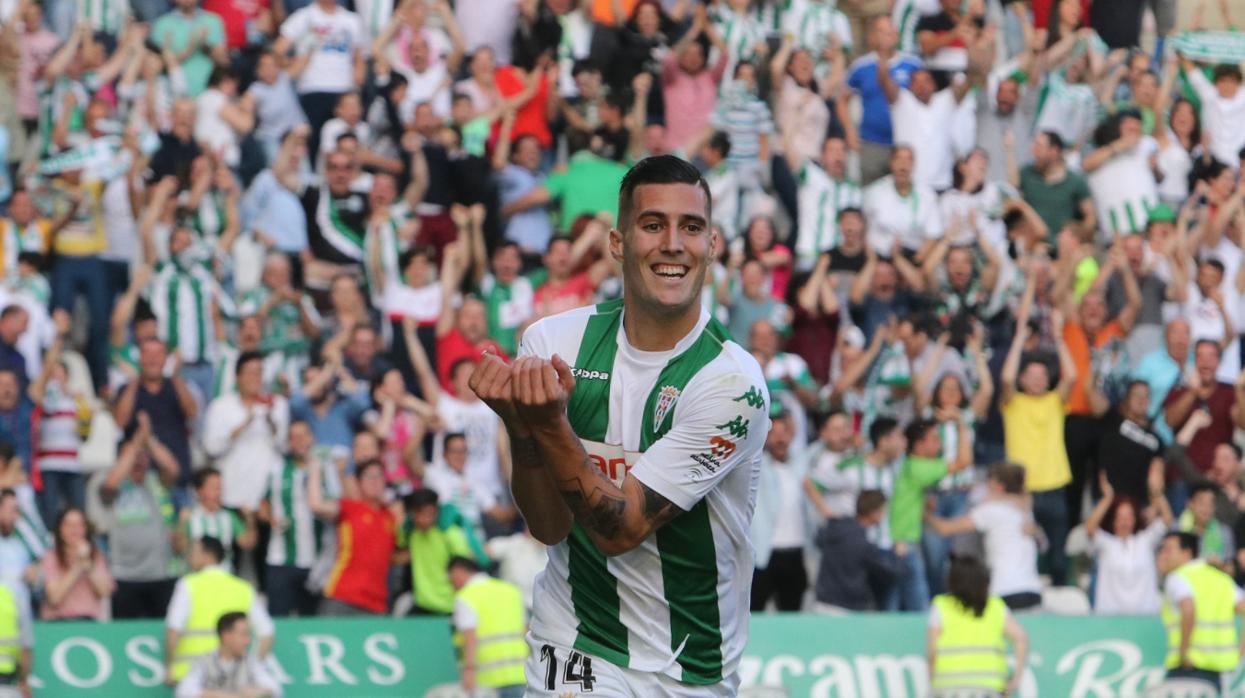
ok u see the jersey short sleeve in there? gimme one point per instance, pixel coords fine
(719, 424)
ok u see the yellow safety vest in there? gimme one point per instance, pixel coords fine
(500, 647)
(970, 653)
(213, 593)
(1213, 646)
(10, 632)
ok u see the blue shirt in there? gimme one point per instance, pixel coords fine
(1161, 372)
(532, 228)
(862, 76)
(276, 211)
(15, 428)
(336, 427)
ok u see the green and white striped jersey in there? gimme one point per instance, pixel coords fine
(812, 22)
(856, 475)
(222, 524)
(181, 299)
(821, 197)
(296, 542)
(107, 16)
(690, 424)
(30, 529)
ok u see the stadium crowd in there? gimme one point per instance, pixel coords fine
(988, 254)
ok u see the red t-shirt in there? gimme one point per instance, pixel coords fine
(575, 292)
(366, 539)
(530, 119)
(454, 347)
(234, 14)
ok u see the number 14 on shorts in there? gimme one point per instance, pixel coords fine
(576, 671)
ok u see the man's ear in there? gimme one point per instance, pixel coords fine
(616, 244)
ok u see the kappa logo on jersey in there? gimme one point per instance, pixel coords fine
(665, 401)
(738, 427)
(584, 374)
(753, 397)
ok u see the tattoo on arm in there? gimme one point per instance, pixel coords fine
(595, 509)
(524, 453)
(657, 508)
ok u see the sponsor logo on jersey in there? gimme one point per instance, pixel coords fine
(720, 449)
(665, 400)
(585, 374)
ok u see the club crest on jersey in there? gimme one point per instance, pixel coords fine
(665, 401)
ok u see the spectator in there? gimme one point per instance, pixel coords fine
(165, 402)
(825, 192)
(1034, 409)
(1057, 194)
(366, 540)
(62, 418)
(1127, 579)
(902, 212)
(13, 324)
(140, 518)
(1223, 105)
(296, 540)
(1162, 369)
(75, 576)
(432, 543)
(1005, 521)
(196, 38)
(832, 448)
(1129, 453)
(690, 82)
(1215, 539)
(1201, 388)
(243, 432)
(875, 136)
(330, 402)
(327, 66)
(923, 119)
(780, 527)
(852, 566)
(231, 669)
(209, 518)
(400, 420)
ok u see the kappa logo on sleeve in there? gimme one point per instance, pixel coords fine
(738, 427)
(753, 398)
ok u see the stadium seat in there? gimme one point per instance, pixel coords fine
(1065, 601)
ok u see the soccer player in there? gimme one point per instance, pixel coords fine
(636, 428)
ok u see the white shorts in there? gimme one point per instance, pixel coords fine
(556, 671)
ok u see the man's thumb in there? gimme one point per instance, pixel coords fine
(564, 373)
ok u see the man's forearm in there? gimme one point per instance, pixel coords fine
(535, 492)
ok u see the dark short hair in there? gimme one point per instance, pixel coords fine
(1186, 540)
(1236, 450)
(1215, 264)
(463, 563)
(213, 547)
(849, 211)
(1226, 71)
(245, 358)
(721, 142)
(968, 581)
(659, 169)
(366, 465)
(11, 310)
(445, 441)
(228, 621)
(1010, 475)
(1201, 487)
(1054, 139)
(200, 477)
(869, 501)
(6, 493)
(421, 498)
(1209, 342)
(918, 429)
(880, 428)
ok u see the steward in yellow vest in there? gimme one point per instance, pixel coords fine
(15, 642)
(968, 634)
(489, 629)
(1200, 605)
(198, 602)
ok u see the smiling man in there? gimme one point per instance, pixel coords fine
(636, 428)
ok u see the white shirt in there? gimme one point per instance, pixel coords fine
(191, 685)
(1174, 162)
(488, 23)
(1127, 580)
(912, 219)
(1010, 552)
(789, 529)
(927, 128)
(479, 425)
(246, 461)
(984, 208)
(179, 610)
(453, 487)
(520, 559)
(432, 86)
(1124, 189)
(838, 490)
(211, 129)
(1221, 118)
(332, 40)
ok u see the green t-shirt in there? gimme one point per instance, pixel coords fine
(907, 506)
(176, 29)
(1054, 203)
(475, 136)
(431, 551)
(588, 185)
